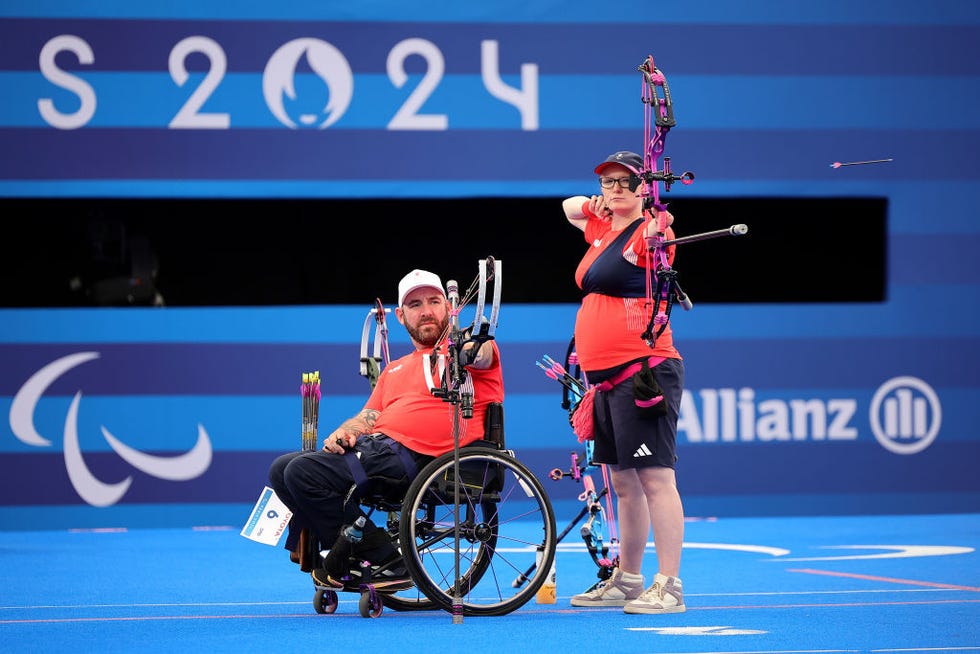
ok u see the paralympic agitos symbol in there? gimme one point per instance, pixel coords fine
(94, 491)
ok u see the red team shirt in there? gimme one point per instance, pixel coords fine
(410, 414)
(609, 324)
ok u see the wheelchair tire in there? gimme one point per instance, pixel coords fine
(505, 521)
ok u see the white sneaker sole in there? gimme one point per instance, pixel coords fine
(581, 603)
(654, 610)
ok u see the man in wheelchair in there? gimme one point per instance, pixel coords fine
(402, 427)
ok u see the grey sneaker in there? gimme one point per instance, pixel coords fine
(612, 592)
(666, 595)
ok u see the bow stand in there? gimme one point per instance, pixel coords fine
(463, 345)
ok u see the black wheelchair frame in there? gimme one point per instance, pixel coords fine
(506, 525)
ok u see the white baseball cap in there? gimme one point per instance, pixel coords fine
(418, 279)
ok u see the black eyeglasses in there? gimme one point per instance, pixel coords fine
(608, 182)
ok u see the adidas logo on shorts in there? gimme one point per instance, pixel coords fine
(642, 450)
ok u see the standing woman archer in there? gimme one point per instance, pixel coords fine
(638, 389)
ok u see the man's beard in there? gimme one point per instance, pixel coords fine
(428, 340)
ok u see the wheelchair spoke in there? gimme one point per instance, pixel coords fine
(505, 518)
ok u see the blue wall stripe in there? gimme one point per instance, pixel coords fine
(143, 100)
(334, 155)
(946, 197)
(168, 425)
(145, 44)
(261, 369)
(934, 259)
(881, 12)
(900, 317)
(946, 215)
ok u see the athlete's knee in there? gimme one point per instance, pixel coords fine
(657, 480)
(277, 470)
(297, 476)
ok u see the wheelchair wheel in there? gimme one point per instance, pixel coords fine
(370, 605)
(325, 601)
(505, 519)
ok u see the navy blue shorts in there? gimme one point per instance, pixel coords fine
(627, 438)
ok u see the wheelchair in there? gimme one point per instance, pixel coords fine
(506, 528)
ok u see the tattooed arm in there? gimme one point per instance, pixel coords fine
(344, 437)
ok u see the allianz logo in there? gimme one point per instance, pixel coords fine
(904, 416)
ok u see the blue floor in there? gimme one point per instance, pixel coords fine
(752, 585)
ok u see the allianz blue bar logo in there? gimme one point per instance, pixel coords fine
(904, 416)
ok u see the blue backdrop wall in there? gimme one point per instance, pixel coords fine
(139, 417)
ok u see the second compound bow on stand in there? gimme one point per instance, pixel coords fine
(380, 356)
(598, 519)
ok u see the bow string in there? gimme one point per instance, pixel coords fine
(662, 287)
(658, 119)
